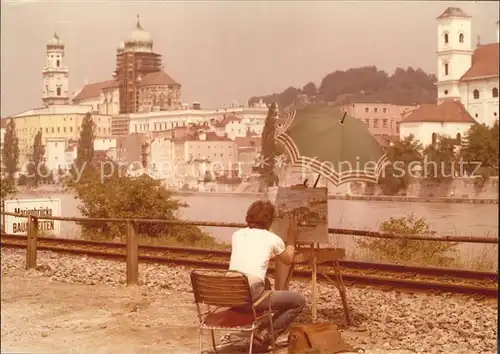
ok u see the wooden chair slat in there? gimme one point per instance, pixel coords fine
(221, 279)
(230, 301)
(239, 284)
(212, 289)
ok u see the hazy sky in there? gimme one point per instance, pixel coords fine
(227, 50)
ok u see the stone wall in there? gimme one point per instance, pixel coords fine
(457, 188)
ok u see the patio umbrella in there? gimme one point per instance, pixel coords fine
(327, 141)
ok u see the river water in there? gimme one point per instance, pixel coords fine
(445, 219)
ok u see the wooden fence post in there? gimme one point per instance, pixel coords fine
(31, 242)
(132, 255)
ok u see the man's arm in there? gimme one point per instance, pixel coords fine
(288, 254)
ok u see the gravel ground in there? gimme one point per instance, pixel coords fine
(385, 322)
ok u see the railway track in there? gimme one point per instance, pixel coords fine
(387, 276)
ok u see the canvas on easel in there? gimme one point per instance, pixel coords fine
(310, 208)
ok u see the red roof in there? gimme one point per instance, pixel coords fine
(453, 12)
(485, 61)
(3, 123)
(226, 120)
(157, 78)
(445, 112)
(248, 142)
(94, 90)
(209, 136)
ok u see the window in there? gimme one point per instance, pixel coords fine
(476, 115)
(58, 63)
(384, 110)
(46, 130)
(375, 123)
(375, 110)
(446, 38)
(71, 129)
(434, 137)
(64, 129)
(169, 101)
(367, 109)
(52, 129)
(461, 38)
(384, 123)
(446, 69)
(55, 144)
(367, 122)
(459, 139)
(445, 92)
(59, 91)
(494, 92)
(475, 94)
(58, 129)
(397, 127)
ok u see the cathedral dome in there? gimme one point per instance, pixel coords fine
(140, 36)
(55, 41)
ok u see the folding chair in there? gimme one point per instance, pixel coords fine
(229, 304)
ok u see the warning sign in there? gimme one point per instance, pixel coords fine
(36, 207)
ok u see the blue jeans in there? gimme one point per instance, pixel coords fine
(287, 305)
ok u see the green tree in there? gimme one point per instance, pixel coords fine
(441, 160)
(403, 87)
(268, 150)
(405, 251)
(37, 169)
(139, 197)
(85, 150)
(404, 155)
(10, 152)
(481, 146)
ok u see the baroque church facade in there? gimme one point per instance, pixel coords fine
(139, 82)
(467, 83)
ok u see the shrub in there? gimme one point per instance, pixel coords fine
(129, 197)
(405, 251)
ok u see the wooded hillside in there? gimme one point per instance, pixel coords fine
(368, 84)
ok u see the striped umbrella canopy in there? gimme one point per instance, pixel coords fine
(327, 141)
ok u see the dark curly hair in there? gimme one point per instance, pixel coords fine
(260, 215)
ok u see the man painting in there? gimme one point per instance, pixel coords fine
(252, 248)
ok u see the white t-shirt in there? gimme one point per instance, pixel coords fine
(252, 249)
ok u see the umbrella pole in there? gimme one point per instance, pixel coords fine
(317, 180)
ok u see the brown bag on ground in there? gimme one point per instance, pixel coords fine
(321, 338)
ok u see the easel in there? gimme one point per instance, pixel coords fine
(315, 256)
(318, 258)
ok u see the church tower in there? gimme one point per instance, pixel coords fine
(454, 51)
(55, 74)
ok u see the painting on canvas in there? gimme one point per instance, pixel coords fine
(308, 205)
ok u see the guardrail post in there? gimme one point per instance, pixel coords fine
(132, 255)
(31, 242)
